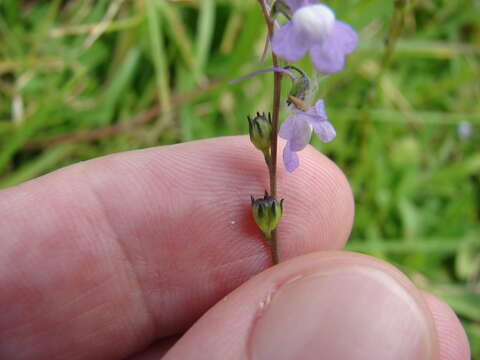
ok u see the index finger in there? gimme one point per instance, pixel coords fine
(99, 259)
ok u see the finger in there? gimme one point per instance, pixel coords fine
(452, 340)
(329, 305)
(136, 246)
(155, 351)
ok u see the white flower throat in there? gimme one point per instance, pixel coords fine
(315, 22)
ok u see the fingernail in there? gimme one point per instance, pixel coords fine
(352, 312)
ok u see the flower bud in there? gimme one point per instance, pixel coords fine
(260, 129)
(281, 7)
(300, 89)
(267, 212)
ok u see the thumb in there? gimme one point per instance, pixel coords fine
(330, 305)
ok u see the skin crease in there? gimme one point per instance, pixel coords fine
(100, 259)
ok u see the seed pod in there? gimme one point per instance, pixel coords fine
(260, 129)
(267, 212)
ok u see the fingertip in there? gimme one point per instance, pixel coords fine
(453, 341)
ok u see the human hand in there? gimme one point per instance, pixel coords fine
(118, 257)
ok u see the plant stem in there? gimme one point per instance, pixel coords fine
(277, 90)
(272, 241)
(274, 246)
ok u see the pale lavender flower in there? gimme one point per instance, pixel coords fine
(297, 130)
(313, 27)
(464, 129)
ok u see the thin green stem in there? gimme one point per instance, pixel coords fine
(277, 92)
(277, 88)
(272, 241)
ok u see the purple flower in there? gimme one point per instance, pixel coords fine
(313, 27)
(464, 129)
(297, 130)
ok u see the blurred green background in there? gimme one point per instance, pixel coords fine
(84, 78)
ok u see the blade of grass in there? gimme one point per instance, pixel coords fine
(159, 56)
(177, 32)
(118, 25)
(161, 71)
(12, 10)
(205, 29)
(34, 121)
(103, 25)
(120, 82)
(185, 83)
(234, 25)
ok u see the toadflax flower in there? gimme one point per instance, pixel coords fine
(313, 27)
(297, 130)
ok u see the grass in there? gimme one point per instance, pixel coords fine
(80, 79)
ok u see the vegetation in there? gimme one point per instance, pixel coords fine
(84, 78)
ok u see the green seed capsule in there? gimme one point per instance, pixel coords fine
(267, 212)
(260, 129)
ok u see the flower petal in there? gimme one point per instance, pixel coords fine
(297, 130)
(329, 57)
(290, 158)
(287, 44)
(315, 22)
(345, 36)
(320, 109)
(324, 130)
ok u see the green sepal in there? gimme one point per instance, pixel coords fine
(281, 7)
(267, 212)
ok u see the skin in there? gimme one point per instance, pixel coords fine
(117, 257)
